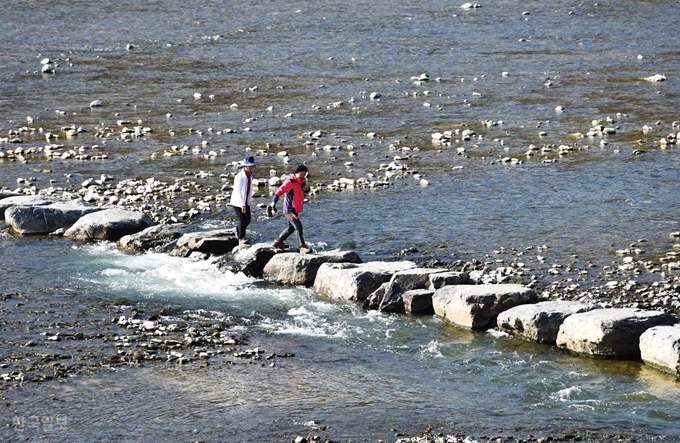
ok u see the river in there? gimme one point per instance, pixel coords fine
(378, 79)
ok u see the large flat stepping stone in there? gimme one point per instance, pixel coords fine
(448, 278)
(350, 281)
(609, 333)
(301, 269)
(418, 301)
(108, 224)
(540, 322)
(660, 348)
(213, 242)
(6, 194)
(249, 259)
(44, 219)
(418, 278)
(158, 238)
(477, 306)
(389, 296)
(25, 200)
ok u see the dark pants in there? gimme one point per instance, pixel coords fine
(243, 221)
(294, 225)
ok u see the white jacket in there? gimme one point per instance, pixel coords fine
(242, 193)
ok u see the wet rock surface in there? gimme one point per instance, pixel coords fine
(55, 341)
(158, 238)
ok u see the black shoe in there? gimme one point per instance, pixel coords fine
(280, 245)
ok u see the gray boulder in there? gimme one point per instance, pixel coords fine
(540, 322)
(213, 242)
(26, 200)
(248, 259)
(416, 278)
(448, 278)
(301, 269)
(477, 306)
(5, 194)
(108, 224)
(351, 281)
(158, 238)
(609, 333)
(418, 301)
(32, 220)
(388, 297)
(660, 348)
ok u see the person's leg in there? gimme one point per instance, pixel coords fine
(245, 221)
(289, 229)
(240, 228)
(300, 236)
(295, 225)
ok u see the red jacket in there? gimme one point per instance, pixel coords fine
(294, 200)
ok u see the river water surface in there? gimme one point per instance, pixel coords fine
(517, 73)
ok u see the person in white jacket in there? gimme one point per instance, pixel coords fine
(241, 197)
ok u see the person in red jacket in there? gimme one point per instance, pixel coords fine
(293, 190)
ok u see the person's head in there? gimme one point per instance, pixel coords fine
(249, 164)
(301, 171)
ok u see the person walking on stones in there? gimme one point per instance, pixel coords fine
(241, 197)
(293, 190)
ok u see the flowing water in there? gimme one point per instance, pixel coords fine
(288, 66)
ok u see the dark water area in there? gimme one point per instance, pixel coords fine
(378, 79)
